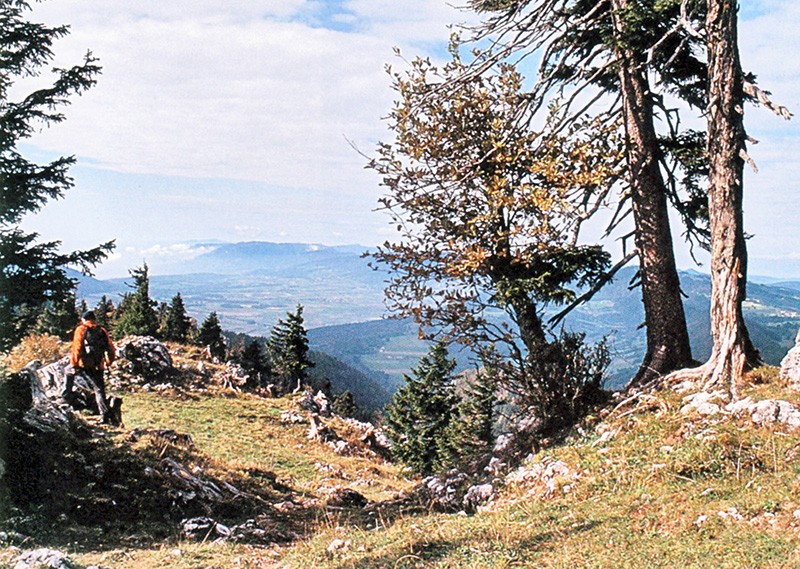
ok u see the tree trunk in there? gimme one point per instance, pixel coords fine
(667, 335)
(733, 351)
(529, 322)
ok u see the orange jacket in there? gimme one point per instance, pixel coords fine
(75, 353)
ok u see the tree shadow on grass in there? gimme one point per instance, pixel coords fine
(423, 553)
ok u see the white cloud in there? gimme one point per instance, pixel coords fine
(262, 90)
(175, 251)
(236, 90)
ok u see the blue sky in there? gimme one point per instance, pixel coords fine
(234, 120)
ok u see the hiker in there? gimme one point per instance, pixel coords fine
(91, 347)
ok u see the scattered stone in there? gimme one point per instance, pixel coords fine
(338, 546)
(234, 376)
(204, 528)
(544, 478)
(496, 466)
(323, 404)
(447, 491)
(317, 404)
(342, 448)
(477, 495)
(319, 431)
(48, 558)
(767, 411)
(703, 403)
(790, 365)
(346, 498)
(371, 437)
(730, 514)
(292, 418)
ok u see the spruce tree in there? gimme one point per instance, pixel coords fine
(104, 311)
(59, 318)
(176, 324)
(210, 335)
(137, 314)
(344, 405)
(32, 273)
(255, 362)
(470, 435)
(420, 413)
(288, 349)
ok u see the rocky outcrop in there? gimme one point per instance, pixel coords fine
(234, 376)
(145, 358)
(317, 404)
(790, 365)
(759, 412)
(49, 558)
(767, 411)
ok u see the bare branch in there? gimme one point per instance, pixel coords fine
(595, 289)
(762, 97)
(746, 157)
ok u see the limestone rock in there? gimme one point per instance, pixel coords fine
(233, 377)
(371, 437)
(544, 478)
(49, 558)
(318, 403)
(204, 528)
(447, 491)
(477, 495)
(147, 358)
(767, 411)
(790, 365)
(319, 431)
(703, 403)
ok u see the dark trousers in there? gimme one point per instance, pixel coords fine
(95, 378)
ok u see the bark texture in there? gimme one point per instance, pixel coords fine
(733, 351)
(667, 336)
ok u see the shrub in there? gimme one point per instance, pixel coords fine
(45, 348)
(560, 384)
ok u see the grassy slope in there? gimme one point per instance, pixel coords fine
(651, 496)
(664, 490)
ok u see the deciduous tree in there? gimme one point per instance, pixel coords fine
(606, 53)
(488, 210)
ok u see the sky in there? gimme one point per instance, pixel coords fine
(248, 120)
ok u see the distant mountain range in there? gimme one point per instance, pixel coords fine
(251, 285)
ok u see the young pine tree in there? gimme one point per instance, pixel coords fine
(176, 325)
(288, 349)
(344, 405)
(59, 318)
(104, 311)
(210, 335)
(255, 362)
(420, 413)
(137, 314)
(470, 435)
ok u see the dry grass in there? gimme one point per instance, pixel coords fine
(646, 486)
(663, 490)
(45, 348)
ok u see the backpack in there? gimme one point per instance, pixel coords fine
(94, 347)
